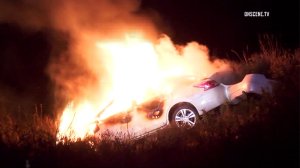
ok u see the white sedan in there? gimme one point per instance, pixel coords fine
(184, 107)
(189, 100)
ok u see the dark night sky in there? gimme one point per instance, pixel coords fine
(222, 26)
(219, 25)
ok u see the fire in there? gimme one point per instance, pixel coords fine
(137, 71)
(104, 77)
(134, 72)
(76, 120)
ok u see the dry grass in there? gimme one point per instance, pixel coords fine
(255, 133)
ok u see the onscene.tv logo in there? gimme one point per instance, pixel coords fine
(256, 14)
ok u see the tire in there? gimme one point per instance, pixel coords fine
(185, 117)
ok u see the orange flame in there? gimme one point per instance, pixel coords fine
(137, 69)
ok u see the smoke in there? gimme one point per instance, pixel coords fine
(78, 68)
(70, 15)
(84, 22)
(194, 56)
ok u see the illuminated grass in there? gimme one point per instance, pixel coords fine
(257, 132)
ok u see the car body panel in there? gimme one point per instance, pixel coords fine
(202, 100)
(252, 83)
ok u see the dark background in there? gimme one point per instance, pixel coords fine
(220, 25)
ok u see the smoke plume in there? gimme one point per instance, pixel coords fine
(83, 71)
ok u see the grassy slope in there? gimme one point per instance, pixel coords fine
(255, 133)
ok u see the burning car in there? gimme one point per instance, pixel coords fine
(186, 103)
(144, 85)
(186, 107)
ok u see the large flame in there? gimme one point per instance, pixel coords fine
(137, 71)
(103, 77)
(134, 71)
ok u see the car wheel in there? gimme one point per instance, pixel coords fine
(185, 117)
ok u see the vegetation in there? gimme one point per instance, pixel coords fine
(259, 132)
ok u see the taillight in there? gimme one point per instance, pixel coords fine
(206, 85)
